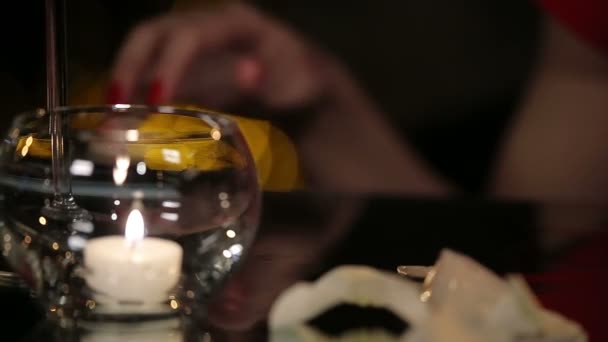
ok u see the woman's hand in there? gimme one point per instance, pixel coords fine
(217, 58)
(233, 56)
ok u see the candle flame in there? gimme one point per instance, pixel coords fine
(134, 230)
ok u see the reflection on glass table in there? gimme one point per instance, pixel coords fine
(303, 235)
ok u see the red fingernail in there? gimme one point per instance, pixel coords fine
(114, 94)
(155, 93)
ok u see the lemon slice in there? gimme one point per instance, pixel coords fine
(173, 149)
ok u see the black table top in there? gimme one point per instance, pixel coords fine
(304, 235)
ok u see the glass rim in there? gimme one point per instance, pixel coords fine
(215, 119)
(230, 132)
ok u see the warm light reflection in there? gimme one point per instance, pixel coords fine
(425, 296)
(230, 233)
(26, 148)
(169, 216)
(82, 167)
(166, 109)
(216, 134)
(227, 254)
(174, 304)
(236, 249)
(429, 277)
(83, 226)
(171, 204)
(123, 162)
(42, 220)
(116, 202)
(76, 242)
(134, 230)
(132, 135)
(119, 176)
(91, 304)
(171, 156)
(55, 246)
(121, 169)
(141, 168)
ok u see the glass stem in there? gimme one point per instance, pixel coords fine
(56, 96)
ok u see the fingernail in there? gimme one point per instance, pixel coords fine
(155, 93)
(114, 94)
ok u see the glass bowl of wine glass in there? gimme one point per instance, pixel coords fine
(132, 212)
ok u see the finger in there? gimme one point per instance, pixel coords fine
(210, 81)
(291, 75)
(215, 33)
(134, 57)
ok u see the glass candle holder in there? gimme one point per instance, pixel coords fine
(170, 200)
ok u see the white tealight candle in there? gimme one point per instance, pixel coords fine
(132, 268)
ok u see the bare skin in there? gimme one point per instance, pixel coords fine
(556, 150)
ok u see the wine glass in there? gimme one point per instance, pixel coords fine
(172, 204)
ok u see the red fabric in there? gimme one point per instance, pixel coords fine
(587, 18)
(577, 286)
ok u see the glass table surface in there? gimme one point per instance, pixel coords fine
(303, 235)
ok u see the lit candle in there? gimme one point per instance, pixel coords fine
(132, 268)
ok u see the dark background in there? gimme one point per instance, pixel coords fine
(448, 73)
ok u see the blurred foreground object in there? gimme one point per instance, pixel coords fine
(460, 300)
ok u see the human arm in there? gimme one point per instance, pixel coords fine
(556, 150)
